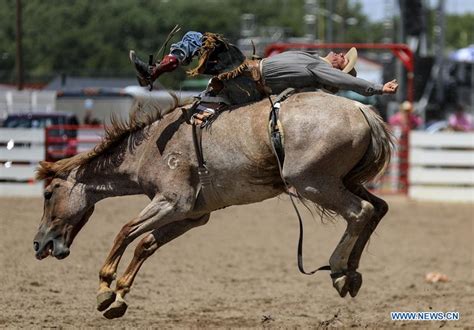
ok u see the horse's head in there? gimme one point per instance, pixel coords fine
(66, 210)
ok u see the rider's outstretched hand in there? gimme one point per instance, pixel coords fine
(390, 87)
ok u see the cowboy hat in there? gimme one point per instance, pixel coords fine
(351, 56)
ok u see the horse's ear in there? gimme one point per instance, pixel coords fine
(44, 170)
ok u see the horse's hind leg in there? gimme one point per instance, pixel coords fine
(380, 209)
(330, 193)
(145, 248)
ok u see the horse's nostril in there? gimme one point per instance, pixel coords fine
(36, 246)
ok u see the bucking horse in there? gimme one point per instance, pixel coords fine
(332, 147)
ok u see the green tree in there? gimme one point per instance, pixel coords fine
(90, 37)
(459, 31)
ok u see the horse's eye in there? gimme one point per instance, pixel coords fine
(48, 194)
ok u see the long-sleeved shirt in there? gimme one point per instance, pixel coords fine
(299, 69)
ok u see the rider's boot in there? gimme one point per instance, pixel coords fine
(147, 74)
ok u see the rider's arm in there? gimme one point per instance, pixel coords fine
(327, 75)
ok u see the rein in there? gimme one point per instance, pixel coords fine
(175, 30)
(279, 152)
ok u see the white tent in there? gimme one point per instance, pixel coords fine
(463, 55)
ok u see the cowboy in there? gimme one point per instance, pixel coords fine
(238, 80)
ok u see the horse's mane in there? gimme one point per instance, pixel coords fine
(115, 133)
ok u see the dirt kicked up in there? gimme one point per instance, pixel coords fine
(240, 270)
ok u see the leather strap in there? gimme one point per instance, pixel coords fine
(207, 188)
(197, 141)
(279, 152)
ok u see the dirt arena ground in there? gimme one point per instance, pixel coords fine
(240, 270)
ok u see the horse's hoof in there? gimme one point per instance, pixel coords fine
(117, 309)
(355, 282)
(341, 285)
(105, 299)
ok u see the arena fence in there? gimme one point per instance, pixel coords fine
(395, 178)
(22, 148)
(427, 166)
(442, 166)
(20, 151)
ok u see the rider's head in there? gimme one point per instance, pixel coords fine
(344, 62)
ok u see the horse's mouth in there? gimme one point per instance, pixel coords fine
(56, 242)
(52, 248)
(45, 252)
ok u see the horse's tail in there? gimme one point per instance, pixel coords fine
(378, 153)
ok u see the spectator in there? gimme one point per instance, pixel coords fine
(89, 120)
(460, 120)
(405, 118)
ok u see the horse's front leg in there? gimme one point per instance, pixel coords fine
(145, 248)
(157, 213)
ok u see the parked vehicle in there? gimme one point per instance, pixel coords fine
(39, 120)
(61, 134)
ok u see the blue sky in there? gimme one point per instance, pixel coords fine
(375, 9)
